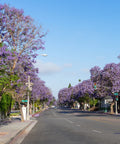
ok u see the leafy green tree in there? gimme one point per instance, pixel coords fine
(69, 85)
(5, 104)
(8, 83)
(93, 102)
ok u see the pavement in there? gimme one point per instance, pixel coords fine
(14, 131)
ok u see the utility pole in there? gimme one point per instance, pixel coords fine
(29, 85)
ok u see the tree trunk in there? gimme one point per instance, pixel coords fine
(99, 104)
(31, 108)
(14, 64)
(93, 102)
(111, 108)
(2, 115)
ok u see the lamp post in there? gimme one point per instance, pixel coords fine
(44, 55)
(29, 85)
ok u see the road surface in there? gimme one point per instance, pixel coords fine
(64, 126)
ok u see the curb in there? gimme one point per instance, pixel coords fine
(114, 115)
(19, 137)
(34, 115)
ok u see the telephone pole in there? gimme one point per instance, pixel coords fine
(29, 85)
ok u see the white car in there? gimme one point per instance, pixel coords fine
(52, 106)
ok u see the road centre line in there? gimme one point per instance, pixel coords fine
(68, 120)
(96, 131)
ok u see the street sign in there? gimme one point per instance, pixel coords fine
(116, 94)
(24, 100)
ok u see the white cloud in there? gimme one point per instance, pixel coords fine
(47, 67)
(50, 67)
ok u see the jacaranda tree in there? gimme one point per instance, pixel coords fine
(20, 41)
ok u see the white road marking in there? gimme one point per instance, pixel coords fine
(96, 131)
(77, 125)
(68, 120)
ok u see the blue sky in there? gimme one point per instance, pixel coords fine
(81, 34)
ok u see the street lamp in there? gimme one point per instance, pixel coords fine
(44, 55)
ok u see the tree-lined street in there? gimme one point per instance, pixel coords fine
(74, 127)
(73, 96)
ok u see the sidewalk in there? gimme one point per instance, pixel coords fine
(10, 129)
(14, 131)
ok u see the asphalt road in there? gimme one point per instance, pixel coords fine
(56, 126)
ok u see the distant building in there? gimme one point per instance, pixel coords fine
(106, 102)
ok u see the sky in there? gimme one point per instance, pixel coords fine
(81, 34)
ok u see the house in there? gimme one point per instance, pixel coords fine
(106, 102)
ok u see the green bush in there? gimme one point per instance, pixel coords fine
(93, 102)
(5, 104)
(15, 114)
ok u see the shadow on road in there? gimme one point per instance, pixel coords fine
(80, 113)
